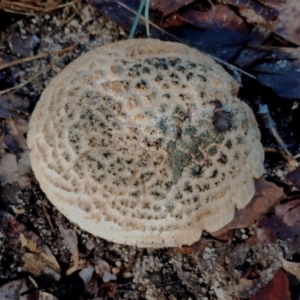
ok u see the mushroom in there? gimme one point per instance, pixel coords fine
(144, 142)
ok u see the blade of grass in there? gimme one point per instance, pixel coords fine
(136, 19)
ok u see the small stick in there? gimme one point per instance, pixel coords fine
(270, 124)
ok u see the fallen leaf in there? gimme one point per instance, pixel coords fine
(218, 17)
(252, 50)
(276, 289)
(29, 6)
(267, 194)
(11, 290)
(14, 106)
(70, 238)
(39, 266)
(21, 238)
(280, 70)
(169, 6)
(291, 267)
(254, 11)
(286, 25)
(46, 296)
(292, 217)
(294, 177)
(14, 140)
(282, 209)
(281, 231)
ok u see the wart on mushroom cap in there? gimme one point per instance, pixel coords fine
(126, 143)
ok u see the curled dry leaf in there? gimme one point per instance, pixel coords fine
(267, 194)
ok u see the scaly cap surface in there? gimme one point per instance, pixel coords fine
(144, 142)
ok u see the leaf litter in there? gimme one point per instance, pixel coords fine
(228, 31)
(35, 240)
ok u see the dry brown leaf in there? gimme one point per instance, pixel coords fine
(294, 177)
(282, 209)
(277, 229)
(292, 216)
(169, 6)
(267, 194)
(287, 24)
(110, 289)
(24, 6)
(218, 17)
(46, 296)
(39, 266)
(70, 238)
(255, 12)
(291, 267)
(276, 289)
(13, 170)
(21, 238)
(13, 106)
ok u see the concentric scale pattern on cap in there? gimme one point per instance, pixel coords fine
(145, 143)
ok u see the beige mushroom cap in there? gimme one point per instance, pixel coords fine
(144, 142)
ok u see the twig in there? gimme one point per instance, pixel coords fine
(19, 6)
(47, 216)
(270, 124)
(290, 160)
(38, 56)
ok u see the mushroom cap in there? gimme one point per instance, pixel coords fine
(144, 142)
